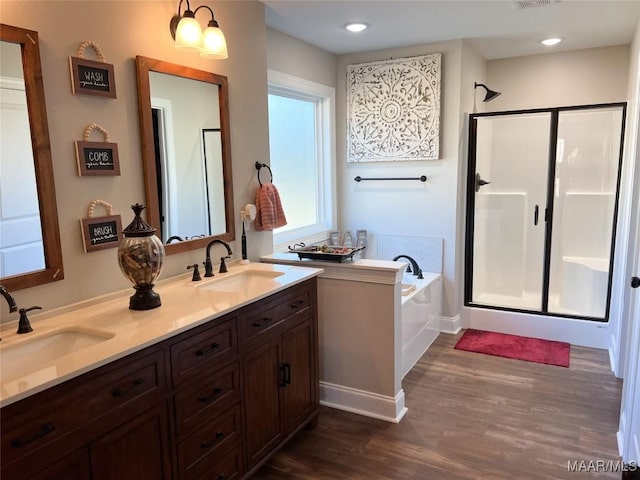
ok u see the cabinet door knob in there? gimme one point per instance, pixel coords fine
(635, 282)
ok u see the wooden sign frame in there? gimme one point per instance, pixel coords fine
(90, 77)
(97, 158)
(89, 232)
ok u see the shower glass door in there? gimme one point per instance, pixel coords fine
(584, 206)
(542, 197)
(508, 226)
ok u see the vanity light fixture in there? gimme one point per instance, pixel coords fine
(187, 34)
(490, 95)
(550, 42)
(356, 27)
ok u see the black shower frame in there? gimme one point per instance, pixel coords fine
(470, 217)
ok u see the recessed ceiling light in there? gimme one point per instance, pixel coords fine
(356, 27)
(549, 42)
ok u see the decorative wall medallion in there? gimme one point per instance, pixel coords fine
(393, 109)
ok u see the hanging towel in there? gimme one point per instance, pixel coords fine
(269, 213)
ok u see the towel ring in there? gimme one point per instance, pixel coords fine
(259, 167)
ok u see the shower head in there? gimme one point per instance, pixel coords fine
(490, 95)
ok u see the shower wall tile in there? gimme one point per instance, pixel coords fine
(427, 251)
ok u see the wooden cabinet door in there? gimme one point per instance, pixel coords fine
(138, 449)
(262, 379)
(71, 467)
(299, 393)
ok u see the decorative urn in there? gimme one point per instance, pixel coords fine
(140, 255)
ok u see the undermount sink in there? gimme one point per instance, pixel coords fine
(243, 282)
(31, 354)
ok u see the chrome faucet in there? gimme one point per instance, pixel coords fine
(13, 306)
(414, 265)
(208, 267)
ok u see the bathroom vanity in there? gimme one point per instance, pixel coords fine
(372, 331)
(207, 386)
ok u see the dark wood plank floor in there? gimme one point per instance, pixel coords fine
(471, 416)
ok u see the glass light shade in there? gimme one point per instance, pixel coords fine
(188, 34)
(214, 44)
(140, 256)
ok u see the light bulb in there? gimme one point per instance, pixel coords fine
(188, 34)
(214, 44)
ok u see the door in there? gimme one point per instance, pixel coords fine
(298, 394)
(508, 191)
(542, 198)
(138, 449)
(262, 406)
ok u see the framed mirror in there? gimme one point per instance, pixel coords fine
(184, 126)
(30, 249)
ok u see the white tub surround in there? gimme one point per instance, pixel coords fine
(421, 317)
(185, 304)
(360, 308)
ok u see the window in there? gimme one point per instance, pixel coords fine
(302, 146)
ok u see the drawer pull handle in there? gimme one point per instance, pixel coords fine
(202, 352)
(45, 429)
(222, 476)
(261, 323)
(121, 392)
(209, 443)
(216, 392)
(285, 375)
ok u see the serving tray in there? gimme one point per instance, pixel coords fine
(324, 253)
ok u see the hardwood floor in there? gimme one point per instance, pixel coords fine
(471, 416)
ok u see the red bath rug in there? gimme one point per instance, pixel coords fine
(515, 346)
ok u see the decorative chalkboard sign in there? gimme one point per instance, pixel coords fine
(91, 77)
(97, 158)
(101, 232)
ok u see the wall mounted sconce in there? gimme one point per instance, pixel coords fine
(188, 35)
(490, 95)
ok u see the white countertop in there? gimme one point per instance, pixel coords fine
(363, 269)
(185, 304)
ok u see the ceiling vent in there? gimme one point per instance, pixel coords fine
(524, 4)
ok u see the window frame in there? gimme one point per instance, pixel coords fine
(324, 98)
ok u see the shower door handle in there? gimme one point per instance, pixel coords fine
(480, 182)
(536, 214)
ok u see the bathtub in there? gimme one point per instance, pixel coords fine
(420, 316)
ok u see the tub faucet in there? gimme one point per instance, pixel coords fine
(414, 265)
(208, 267)
(13, 306)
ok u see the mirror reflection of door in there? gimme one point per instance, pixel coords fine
(188, 156)
(21, 245)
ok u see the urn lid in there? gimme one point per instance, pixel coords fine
(138, 227)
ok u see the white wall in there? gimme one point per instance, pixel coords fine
(122, 31)
(596, 75)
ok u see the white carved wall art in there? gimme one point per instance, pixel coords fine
(393, 109)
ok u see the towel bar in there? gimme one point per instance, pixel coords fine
(260, 166)
(422, 178)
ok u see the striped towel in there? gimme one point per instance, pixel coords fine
(269, 214)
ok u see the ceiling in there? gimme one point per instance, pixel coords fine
(495, 28)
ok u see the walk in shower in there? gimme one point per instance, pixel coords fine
(542, 198)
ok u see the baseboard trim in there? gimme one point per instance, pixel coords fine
(451, 325)
(361, 402)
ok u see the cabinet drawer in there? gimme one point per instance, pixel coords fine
(213, 346)
(229, 468)
(207, 398)
(265, 321)
(44, 418)
(205, 446)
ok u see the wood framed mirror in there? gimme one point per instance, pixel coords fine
(184, 127)
(30, 245)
